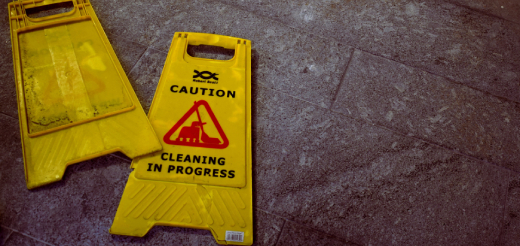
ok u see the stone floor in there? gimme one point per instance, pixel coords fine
(376, 122)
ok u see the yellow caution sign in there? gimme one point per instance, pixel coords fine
(74, 99)
(202, 178)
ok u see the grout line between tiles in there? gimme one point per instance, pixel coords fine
(119, 157)
(482, 12)
(429, 142)
(285, 93)
(126, 39)
(151, 47)
(267, 212)
(7, 237)
(487, 93)
(137, 62)
(376, 125)
(286, 220)
(281, 232)
(157, 49)
(26, 235)
(2, 113)
(397, 132)
(504, 211)
(338, 88)
(374, 54)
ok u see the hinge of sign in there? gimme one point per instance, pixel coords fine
(16, 13)
(81, 4)
(22, 12)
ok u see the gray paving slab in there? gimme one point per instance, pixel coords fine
(5, 37)
(4, 234)
(294, 234)
(127, 52)
(136, 20)
(5, 2)
(368, 185)
(72, 210)
(7, 85)
(17, 239)
(427, 106)
(268, 228)
(285, 59)
(145, 75)
(8, 103)
(453, 41)
(507, 9)
(77, 209)
(12, 172)
(321, 176)
(511, 230)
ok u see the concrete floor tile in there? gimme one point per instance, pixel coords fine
(135, 20)
(506, 9)
(267, 228)
(511, 231)
(4, 234)
(121, 156)
(12, 176)
(336, 178)
(420, 104)
(5, 34)
(294, 234)
(127, 52)
(368, 185)
(453, 41)
(8, 104)
(302, 65)
(145, 76)
(78, 209)
(17, 239)
(5, 2)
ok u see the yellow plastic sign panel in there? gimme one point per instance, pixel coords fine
(74, 99)
(202, 177)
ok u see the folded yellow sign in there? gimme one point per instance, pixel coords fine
(74, 99)
(202, 178)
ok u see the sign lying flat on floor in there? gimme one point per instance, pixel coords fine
(202, 178)
(74, 99)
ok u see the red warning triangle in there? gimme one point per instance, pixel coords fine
(194, 135)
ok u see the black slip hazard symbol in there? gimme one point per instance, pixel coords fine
(194, 134)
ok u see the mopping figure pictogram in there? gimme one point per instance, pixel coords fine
(194, 135)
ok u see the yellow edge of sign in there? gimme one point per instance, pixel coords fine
(60, 176)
